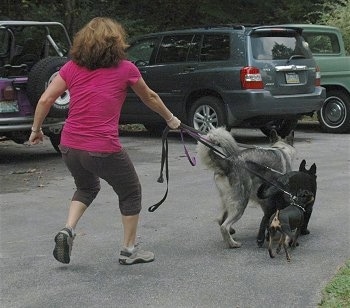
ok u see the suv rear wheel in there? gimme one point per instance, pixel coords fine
(207, 113)
(40, 77)
(283, 127)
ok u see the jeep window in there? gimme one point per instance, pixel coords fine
(215, 47)
(140, 52)
(279, 45)
(174, 48)
(29, 40)
(4, 42)
(322, 43)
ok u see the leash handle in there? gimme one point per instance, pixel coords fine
(164, 161)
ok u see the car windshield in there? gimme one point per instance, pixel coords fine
(279, 45)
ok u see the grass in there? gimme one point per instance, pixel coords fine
(337, 292)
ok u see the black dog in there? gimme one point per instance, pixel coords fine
(276, 198)
(288, 219)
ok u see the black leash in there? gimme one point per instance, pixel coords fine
(165, 149)
(199, 137)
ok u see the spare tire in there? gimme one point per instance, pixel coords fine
(39, 77)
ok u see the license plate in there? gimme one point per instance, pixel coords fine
(8, 106)
(292, 78)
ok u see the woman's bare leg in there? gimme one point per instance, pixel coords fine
(76, 210)
(130, 227)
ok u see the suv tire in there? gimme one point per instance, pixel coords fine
(207, 113)
(282, 127)
(40, 77)
(334, 116)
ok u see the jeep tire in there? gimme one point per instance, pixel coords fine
(41, 74)
(334, 116)
(206, 113)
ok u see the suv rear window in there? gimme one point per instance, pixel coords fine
(278, 45)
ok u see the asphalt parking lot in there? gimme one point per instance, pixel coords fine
(193, 267)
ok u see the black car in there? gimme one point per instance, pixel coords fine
(228, 75)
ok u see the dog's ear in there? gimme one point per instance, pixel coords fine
(312, 169)
(290, 138)
(273, 136)
(302, 166)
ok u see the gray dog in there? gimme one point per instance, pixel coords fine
(233, 178)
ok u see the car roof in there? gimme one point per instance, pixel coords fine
(311, 26)
(219, 28)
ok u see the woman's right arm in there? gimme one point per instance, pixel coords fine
(154, 102)
(47, 99)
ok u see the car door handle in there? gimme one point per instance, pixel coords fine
(188, 69)
(142, 71)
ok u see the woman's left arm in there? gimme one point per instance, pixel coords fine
(154, 102)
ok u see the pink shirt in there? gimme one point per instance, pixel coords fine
(96, 99)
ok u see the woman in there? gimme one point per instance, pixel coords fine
(97, 77)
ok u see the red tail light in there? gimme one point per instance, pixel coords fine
(9, 93)
(318, 77)
(251, 78)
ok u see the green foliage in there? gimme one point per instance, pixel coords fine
(339, 16)
(337, 292)
(141, 16)
(144, 16)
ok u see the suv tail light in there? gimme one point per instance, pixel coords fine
(318, 77)
(251, 78)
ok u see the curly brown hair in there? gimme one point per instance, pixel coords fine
(100, 43)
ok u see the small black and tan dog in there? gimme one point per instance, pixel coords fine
(288, 219)
(277, 199)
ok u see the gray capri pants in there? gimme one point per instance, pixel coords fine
(115, 168)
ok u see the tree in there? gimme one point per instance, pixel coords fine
(339, 16)
(143, 16)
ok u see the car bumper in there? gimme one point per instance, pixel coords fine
(25, 124)
(250, 104)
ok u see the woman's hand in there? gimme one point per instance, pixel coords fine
(173, 122)
(36, 137)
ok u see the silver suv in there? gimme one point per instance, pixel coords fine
(229, 75)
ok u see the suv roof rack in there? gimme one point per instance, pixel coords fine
(230, 25)
(217, 26)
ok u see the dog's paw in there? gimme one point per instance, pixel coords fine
(228, 238)
(234, 244)
(260, 242)
(293, 244)
(305, 232)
